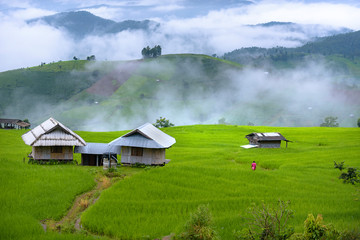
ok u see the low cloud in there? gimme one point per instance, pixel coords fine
(303, 96)
(332, 14)
(215, 33)
(27, 46)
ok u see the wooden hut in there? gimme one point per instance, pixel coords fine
(51, 140)
(93, 153)
(13, 124)
(266, 140)
(145, 145)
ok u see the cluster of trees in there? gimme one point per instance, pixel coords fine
(154, 52)
(163, 122)
(330, 122)
(89, 58)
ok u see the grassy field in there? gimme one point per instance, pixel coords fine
(31, 193)
(207, 167)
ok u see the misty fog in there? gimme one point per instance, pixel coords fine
(217, 32)
(303, 96)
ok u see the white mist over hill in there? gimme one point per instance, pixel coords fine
(303, 96)
(208, 32)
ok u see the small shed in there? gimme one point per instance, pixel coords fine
(13, 124)
(93, 153)
(145, 144)
(52, 140)
(266, 140)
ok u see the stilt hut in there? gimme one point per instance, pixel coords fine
(266, 140)
(93, 153)
(51, 140)
(145, 145)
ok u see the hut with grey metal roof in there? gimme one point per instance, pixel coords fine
(93, 153)
(266, 140)
(145, 145)
(51, 140)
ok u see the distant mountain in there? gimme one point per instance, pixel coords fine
(312, 31)
(182, 9)
(82, 23)
(346, 46)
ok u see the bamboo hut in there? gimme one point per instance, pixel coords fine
(51, 140)
(145, 145)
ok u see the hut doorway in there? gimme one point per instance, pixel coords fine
(92, 159)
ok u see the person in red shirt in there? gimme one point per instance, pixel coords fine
(253, 165)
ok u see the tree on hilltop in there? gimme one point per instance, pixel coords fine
(163, 122)
(330, 122)
(91, 58)
(148, 52)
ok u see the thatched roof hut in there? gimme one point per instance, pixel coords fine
(145, 144)
(52, 140)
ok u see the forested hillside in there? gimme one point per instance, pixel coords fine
(22, 90)
(78, 91)
(184, 88)
(275, 87)
(342, 51)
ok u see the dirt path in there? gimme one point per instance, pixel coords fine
(71, 221)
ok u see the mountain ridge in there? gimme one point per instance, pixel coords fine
(345, 47)
(82, 23)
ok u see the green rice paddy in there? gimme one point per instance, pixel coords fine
(207, 167)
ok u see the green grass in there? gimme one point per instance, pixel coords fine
(30, 193)
(207, 167)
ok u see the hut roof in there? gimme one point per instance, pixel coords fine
(96, 148)
(52, 133)
(145, 136)
(270, 136)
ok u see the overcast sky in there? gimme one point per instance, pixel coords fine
(212, 26)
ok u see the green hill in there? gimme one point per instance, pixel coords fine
(25, 92)
(340, 51)
(185, 88)
(74, 91)
(207, 167)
